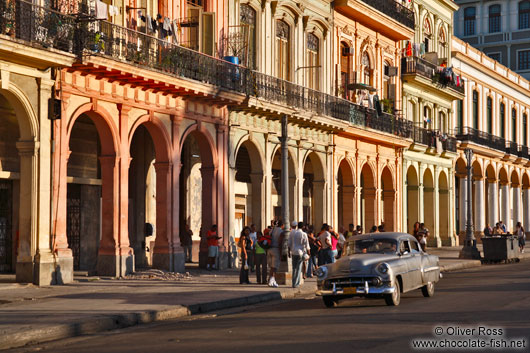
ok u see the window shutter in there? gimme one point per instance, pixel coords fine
(208, 33)
(392, 91)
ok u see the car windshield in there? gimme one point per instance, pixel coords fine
(372, 246)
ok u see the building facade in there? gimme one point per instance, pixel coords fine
(492, 121)
(428, 94)
(501, 29)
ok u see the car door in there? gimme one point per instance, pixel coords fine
(415, 266)
(411, 262)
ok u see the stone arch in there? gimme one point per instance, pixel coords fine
(346, 193)
(22, 195)
(314, 188)
(206, 145)
(503, 175)
(250, 169)
(525, 180)
(368, 199)
(444, 208)
(275, 165)
(413, 198)
(477, 170)
(514, 179)
(388, 199)
(143, 173)
(429, 205)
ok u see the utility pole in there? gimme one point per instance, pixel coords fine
(469, 251)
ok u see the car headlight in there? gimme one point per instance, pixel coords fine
(383, 268)
(322, 272)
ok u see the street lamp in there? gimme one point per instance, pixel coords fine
(469, 251)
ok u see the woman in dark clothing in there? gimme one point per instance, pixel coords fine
(245, 243)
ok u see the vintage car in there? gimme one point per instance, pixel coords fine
(378, 265)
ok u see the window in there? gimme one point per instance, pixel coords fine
(523, 60)
(367, 69)
(414, 246)
(313, 61)
(488, 114)
(495, 56)
(248, 17)
(525, 130)
(283, 50)
(441, 123)
(347, 75)
(442, 44)
(469, 21)
(495, 18)
(502, 119)
(514, 125)
(427, 34)
(475, 110)
(524, 14)
(426, 117)
(460, 115)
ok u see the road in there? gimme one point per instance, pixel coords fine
(494, 296)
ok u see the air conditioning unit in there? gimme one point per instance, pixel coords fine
(348, 51)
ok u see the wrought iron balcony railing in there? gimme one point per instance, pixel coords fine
(450, 144)
(512, 148)
(419, 66)
(395, 10)
(37, 26)
(85, 37)
(430, 138)
(524, 152)
(481, 138)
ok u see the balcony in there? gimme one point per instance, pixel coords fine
(394, 10)
(481, 138)
(430, 138)
(388, 17)
(418, 66)
(92, 39)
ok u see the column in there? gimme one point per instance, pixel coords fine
(505, 204)
(436, 239)
(493, 202)
(208, 206)
(258, 214)
(462, 198)
(526, 209)
(178, 253)
(162, 252)
(479, 206)
(516, 195)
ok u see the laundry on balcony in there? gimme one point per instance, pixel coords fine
(102, 12)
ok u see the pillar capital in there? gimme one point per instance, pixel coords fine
(28, 147)
(162, 167)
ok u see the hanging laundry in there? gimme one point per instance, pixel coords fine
(149, 23)
(140, 14)
(422, 49)
(167, 24)
(101, 10)
(409, 49)
(154, 24)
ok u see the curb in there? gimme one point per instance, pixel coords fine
(102, 323)
(460, 265)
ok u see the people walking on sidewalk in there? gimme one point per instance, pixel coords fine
(325, 246)
(245, 244)
(521, 236)
(423, 234)
(298, 247)
(350, 232)
(488, 231)
(503, 227)
(273, 254)
(334, 244)
(186, 242)
(312, 263)
(251, 253)
(213, 247)
(260, 256)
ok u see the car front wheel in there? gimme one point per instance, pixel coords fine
(329, 302)
(394, 298)
(428, 290)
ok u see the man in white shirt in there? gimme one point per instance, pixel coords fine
(298, 246)
(325, 250)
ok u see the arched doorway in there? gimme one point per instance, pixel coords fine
(413, 200)
(346, 195)
(368, 198)
(313, 191)
(526, 202)
(428, 202)
(198, 190)
(276, 189)
(9, 186)
(150, 221)
(388, 199)
(460, 197)
(248, 188)
(479, 209)
(444, 209)
(505, 205)
(92, 213)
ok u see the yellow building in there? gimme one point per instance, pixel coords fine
(429, 89)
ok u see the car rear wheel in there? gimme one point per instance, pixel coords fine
(394, 298)
(428, 290)
(329, 302)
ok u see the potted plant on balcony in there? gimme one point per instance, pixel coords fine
(388, 105)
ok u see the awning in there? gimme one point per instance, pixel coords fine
(353, 86)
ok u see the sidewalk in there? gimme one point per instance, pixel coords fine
(30, 314)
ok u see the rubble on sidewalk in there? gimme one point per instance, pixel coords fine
(159, 275)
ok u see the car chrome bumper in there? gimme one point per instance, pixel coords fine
(362, 290)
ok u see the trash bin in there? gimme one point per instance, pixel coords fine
(500, 248)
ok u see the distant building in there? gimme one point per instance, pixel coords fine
(501, 29)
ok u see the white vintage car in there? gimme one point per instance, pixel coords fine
(378, 265)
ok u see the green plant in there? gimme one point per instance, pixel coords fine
(388, 105)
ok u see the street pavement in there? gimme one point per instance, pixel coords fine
(30, 314)
(495, 297)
